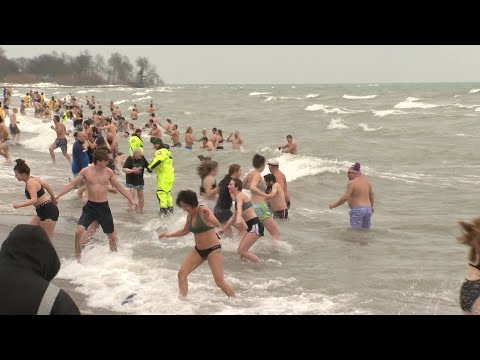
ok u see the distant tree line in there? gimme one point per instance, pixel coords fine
(81, 70)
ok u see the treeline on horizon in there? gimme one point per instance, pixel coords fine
(81, 70)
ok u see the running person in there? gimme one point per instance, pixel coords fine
(97, 178)
(45, 206)
(243, 211)
(61, 141)
(201, 222)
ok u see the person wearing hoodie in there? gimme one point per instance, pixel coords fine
(28, 263)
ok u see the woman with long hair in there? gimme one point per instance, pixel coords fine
(243, 211)
(208, 187)
(470, 291)
(45, 206)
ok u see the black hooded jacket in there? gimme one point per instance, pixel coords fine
(28, 262)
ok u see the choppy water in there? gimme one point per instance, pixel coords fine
(416, 142)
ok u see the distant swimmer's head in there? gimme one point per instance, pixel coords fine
(354, 169)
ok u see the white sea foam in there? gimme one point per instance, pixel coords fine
(327, 109)
(120, 102)
(142, 99)
(382, 113)
(411, 103)
(473, 91)
(336, 124)
(311, 96)
(140, 93)
(366, 128)
(258, 93)
(359, 97)
(88, 91)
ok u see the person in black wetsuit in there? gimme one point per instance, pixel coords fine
(28, 263)
(45, 206)
(201, 222)
(470, 290)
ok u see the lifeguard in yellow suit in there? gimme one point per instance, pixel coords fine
(162, 164)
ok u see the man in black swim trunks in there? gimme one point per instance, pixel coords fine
(97, 178)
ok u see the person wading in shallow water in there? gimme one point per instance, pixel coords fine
(201, 222)
(360, 198)
(470, 290)
(45, 206)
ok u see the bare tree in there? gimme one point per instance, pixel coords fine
(146, 74)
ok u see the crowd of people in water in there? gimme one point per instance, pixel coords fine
(96, 161)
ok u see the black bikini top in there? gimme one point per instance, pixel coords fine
(475, 266)
(202, 188)
(40, 192)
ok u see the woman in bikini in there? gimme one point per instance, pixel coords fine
(470, 291)
(201, 222)
(243, 211)
(46, 207)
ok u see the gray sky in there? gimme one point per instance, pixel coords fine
(291, 64)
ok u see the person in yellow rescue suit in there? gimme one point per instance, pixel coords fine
(162, 163)
(135, 141)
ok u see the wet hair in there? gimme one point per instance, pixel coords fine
(232, 169)
(94, 129)
(206, 167)
(169, 121)
(238, 184)
(100, 155)
(258, 161)
(99, 112)
(220, 132)
(270, 177)
(21, 167)
(289, 137)
(189, 129)
(471, 237)
(214, 129)
(188, 197)
(56, 118)
(204, 138)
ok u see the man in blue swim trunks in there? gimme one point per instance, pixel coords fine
(360, 198)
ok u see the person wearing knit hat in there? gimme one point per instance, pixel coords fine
(359, 196)
(162, 163)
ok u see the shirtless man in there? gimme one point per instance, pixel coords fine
(61, 141)
(275, 197)
(134, 114)
(207, 144)
(290, 146)
(155, 131)
(189, 138)
(360, 198)
(110, 128)
(97, 177)
(176, 136)
(273, 166)
(168, 127)
(236, 140)
(151, 109)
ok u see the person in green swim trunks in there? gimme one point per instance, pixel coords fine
(253, 181)
(201, 222)
(162, 163)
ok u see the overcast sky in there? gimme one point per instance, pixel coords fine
(291, 64)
